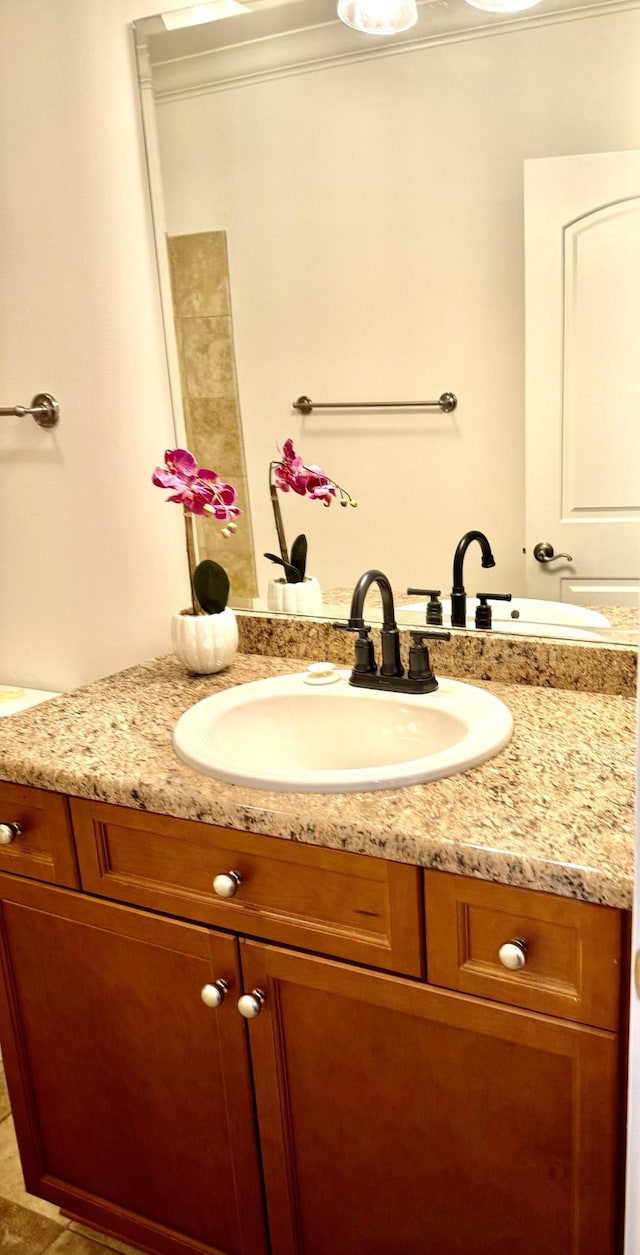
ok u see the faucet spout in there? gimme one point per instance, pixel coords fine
(458, 594)
(389, 636)
(362, 588)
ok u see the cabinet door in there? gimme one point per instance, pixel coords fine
(132, 1098)
(399, 1119)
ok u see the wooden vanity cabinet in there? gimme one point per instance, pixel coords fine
(401, 1119)
(367, 910)
(571, 951)
(44, 846)
(131, 1098)
(366, 1110)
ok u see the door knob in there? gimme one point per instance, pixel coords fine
(513, 954)
(213, 995)
(250, 1005)
(9, 832)
(226, 884)
(543, 552)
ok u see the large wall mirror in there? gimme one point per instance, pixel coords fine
(368, 220)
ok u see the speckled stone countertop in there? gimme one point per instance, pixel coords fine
(553, 811)
(575, 665)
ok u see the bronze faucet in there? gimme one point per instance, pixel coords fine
(458, 594)
(390, 677)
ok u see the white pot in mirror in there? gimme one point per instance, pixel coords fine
(304, 598)
(204, 643)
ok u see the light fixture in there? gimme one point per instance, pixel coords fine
(378, 17)
(503, 6)
(197, 14)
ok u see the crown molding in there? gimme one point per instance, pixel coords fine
(333, 44)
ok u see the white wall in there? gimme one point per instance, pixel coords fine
(403, 176)
(91, 560)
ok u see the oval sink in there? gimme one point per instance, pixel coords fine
(291, 735)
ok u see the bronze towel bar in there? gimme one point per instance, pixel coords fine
(44, 409)
(447, 402)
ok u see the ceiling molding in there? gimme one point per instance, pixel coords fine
(332, 44)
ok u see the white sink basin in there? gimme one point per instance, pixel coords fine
(292, 735)
(531, 617)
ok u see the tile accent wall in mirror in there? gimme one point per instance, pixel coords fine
(199, 273)
(362, 201)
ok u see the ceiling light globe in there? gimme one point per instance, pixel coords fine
(378, 17)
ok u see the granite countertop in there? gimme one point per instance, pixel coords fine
(553, 811)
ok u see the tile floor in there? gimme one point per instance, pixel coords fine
(28, 1225)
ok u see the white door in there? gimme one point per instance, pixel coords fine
(582, 269)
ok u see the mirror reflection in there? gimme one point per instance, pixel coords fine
(367, 220)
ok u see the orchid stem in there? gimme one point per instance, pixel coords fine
(191, 553)
(277, 515)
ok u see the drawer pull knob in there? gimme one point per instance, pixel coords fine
(226, 885)
(213, 995)
(250, 1005)
(513, 954)
(9, 832)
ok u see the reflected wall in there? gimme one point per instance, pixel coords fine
(374, 216)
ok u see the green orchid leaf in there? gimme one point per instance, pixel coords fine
(299, 555)
(292, 575)
(211, 586)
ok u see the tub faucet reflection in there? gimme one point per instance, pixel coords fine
(458, 594)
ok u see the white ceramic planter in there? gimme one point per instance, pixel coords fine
(204, 643)
(304, 598)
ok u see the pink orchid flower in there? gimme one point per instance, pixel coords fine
(291, 473)
(198, 489)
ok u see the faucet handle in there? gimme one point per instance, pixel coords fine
(429, 634)
(419, 662)
(352, 625)
(483, 610)
(434, 605)
(365, 659)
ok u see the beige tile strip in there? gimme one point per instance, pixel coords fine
(204, 334)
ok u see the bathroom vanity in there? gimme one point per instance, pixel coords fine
(395, 1082)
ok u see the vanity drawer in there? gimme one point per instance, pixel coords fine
(573, 950)
(44, 848)
(340, 904)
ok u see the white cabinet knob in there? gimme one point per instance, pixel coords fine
(226, 884)
(213, 995)
(513, 954)
(250, 1005)
(9, 832)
